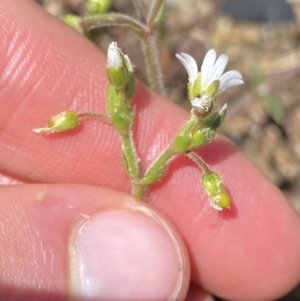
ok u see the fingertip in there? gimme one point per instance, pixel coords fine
(127, 253)
(89, 243)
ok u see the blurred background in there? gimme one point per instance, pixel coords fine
(262, 41)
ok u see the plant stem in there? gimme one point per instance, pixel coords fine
(150, 49)
(199, 161)
(153, 67)
(132, 164)
(138, 8)
(158, 168)
(109, 19)
(155, 13)
(138, 190)
(93, 115)
(130, 157)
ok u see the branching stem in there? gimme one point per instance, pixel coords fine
(93, 115)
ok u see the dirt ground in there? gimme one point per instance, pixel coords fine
(263, 114)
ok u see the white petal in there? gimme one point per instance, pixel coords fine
(207, 66)
(231, 74)
(114, 58)
(227, 77)
(190, 65)
(232, 82)
(219, 67)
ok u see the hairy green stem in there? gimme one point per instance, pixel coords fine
(138, 190)
(130, 157)
(132, 164)
(109, 19)
(138, 8)
(158, 168)
(153, 66)
(199, 161)
(93, 115)
(155, 13)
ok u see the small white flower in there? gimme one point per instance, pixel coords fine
(211, 70)
(114, 57)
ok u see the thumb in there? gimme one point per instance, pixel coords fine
(89, 243)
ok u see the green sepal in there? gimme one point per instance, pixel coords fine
(195, 87)
(213, 121)
(120, 112)
(181, 143)
(207, 129)
(118, 77)
(64, 121)
(122, 121)
(115, 98)
(212, 183)
(94, 7)
(200, 138)
(212, 89)
(73, 20)
(129, 88)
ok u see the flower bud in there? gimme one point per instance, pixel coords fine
(64, 121)
(214, 187)
(120, 111)
(94, 7)
(73, 21)
(117, 68)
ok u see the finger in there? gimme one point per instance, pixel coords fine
(91, 243)
(8, 179)
(195, 293)
(232, 252)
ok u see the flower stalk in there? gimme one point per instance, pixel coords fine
(121, 87)
(152, 63)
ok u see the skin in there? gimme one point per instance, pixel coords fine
(251, 252)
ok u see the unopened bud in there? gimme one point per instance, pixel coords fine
(215, 189)
(64, 121)
(94, 7)
(117, 68)
(73, 21)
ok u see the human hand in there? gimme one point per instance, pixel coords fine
(251, 252)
